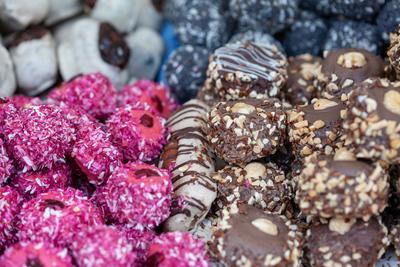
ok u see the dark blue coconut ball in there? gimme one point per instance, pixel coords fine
(185, 71)
(269, 16)
(306, 35)
(352, 34)
(389, 18)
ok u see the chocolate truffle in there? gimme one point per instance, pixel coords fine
(257, 37)
(393, 52)
(189, 158)
(343, 68)
(246, 70)
(244, 130)
(147, 49)
(261, 185)
(91, 46)
(247, 236)
(120, 13)
(342, 187)
(352, 34)
(270, 16)
(371, 127)
(388, 20)
(346, 243)
(316, 127)
(301, 84)
(7, 75)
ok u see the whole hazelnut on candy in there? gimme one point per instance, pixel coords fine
(92, 46)
(7, 77)
(16, 15)
(35, 62)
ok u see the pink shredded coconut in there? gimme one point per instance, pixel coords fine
(21, 101)
(144, 91)
(38, 136)
(178, 249)
(57, 216)
(140, 239)
(102, 246)
(10, 202)
(95, 155)
(32, 183)
(6, 164)
(35, 255)
(138, 195)
(137, 132)
(93, 93)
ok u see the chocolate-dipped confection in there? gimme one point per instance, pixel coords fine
(248, 236)
(371, 128)
(120, 13)
(344, 243)
(7, 76)
(342, 69)
(316, 127)
(189, 158)
(342, 187)
(33, 52)
(246, 70)
(244, 130)
(261, 185)
(90, 46)
(301, 84)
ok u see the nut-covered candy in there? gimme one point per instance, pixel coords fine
(263, 186)
(315, 127)
(91, 46)
(252, 70)
(393, 52)
(247, 236)
(301, 84)
(344, 243)
(371, 128)
(342, 187)
(244, 130)
(343, 68)
(7, 75)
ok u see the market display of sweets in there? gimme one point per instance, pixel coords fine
(199, 133)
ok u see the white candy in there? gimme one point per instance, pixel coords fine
(195, 164)
(148, 16)
(122, 14)
(7, 77)
(62, 9)
(35, 64)
(79, 53)
(16, 15)
(147, 48)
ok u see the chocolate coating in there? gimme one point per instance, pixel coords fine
(112, 46)
(32, 33)
(361, 245)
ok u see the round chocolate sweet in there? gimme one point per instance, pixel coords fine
(346, 243)
(257, 37)
(245, 130)
(316, 127)
(301, 84)
(343, 68)
(248, 236)
(371, 127)
(246, 70)
(393, 52)
(263, 186)
(342, 187)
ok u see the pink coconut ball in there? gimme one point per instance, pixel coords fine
(21, 101)
(32, 183)
(6, 163)
(102, 246)
(157, 96)
(38, 137)
(138, 195)
(95, 155)
(140, 240)
(137, 132)
(93, 93)
(57, 216)
(33, 254)
(10, 202)
(178, 249)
